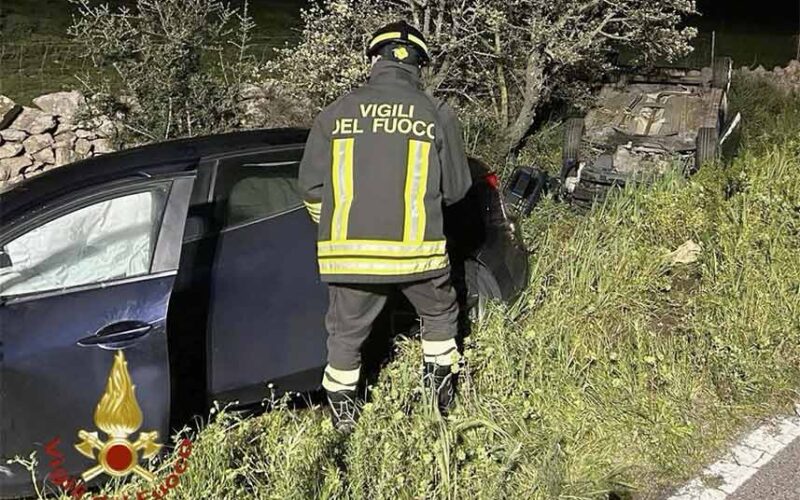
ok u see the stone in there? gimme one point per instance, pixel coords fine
(45, 156)
(85, 134)
(106, 127)
(32, 170)
(5, 174)
(65, 155)
(102, 146)
(9, 110)
(64, 127)
(687, 253)
(13, 135)
(14, 165)
(65, 139)
(63, 104)
(38, 142)
(10, 149)
(33, 121)
(83, 146)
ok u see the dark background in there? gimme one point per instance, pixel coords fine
(778, 15)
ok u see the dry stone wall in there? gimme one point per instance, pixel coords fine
(48, 135)
(52, 132)
(785, 78)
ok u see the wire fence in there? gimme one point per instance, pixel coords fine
(32, 68)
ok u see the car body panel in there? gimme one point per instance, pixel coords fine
(51, 385)
(268, 300)
(55, 365)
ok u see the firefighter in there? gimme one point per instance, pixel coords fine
(379, 165)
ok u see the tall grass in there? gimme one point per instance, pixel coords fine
(617, 374)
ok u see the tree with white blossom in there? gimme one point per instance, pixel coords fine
(501, 59)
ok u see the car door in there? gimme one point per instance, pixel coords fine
(266, 314)
(84, 287)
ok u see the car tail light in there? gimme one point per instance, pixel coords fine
(492, 180)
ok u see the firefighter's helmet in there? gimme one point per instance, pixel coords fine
(401, 42)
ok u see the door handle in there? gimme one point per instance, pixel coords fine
(117, 335)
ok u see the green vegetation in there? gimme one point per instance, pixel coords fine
(38, 57)
(617, 372)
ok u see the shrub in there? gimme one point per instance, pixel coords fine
(166, 68)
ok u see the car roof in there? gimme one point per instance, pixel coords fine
(152, 159)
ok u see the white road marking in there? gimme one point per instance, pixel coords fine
(740, 463)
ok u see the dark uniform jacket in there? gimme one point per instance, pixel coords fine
(378, 166)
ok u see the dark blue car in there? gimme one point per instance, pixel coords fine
(196, 260)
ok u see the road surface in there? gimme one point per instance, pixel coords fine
(763, 465)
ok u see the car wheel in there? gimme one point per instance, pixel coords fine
(721, 73)
(573, 135)
(707, 147)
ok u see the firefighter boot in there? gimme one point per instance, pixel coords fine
(344, 410)
(439, 382)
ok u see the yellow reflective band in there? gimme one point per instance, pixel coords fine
(342, 175)
(386, 267)
(314, 210)
(398, 36)
(414, 39)
(416, 186)
(385, 36)
(380, 248)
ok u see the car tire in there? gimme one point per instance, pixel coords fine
(573, 135)
(721, 73)
(707, 147)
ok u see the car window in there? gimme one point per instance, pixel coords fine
(107, 240)
(258, 186)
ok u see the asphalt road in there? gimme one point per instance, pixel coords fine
(777, 480)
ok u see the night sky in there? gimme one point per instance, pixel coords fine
(778, 15)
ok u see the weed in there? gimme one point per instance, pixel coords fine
(616, 372)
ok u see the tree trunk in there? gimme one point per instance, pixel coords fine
(501, 81)
(515, 133)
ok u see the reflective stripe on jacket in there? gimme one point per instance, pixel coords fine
(378, 166)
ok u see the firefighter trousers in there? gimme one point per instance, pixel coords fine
(353, 308)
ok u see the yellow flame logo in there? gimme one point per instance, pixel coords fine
(118, 415)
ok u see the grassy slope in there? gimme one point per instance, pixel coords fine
(617, 371)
